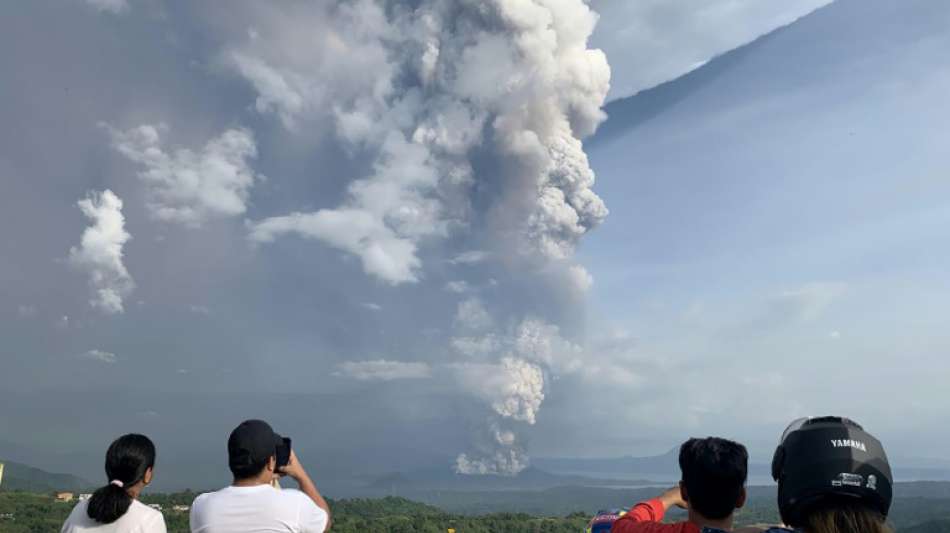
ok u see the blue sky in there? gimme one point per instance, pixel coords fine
(380, 234)
(787, 215)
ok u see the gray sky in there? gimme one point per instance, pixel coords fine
(357, 224)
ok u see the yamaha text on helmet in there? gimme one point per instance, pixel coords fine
(826, 460)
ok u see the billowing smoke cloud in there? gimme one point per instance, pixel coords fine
(513, 387)
(100, 251)
(188, 187)
(453, 85)
(469, 116)
(498, 453)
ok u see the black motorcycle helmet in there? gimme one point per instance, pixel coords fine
(827, 459)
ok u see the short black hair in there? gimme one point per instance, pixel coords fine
(714, 474)
(248, 470)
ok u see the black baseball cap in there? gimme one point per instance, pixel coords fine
(251, 443)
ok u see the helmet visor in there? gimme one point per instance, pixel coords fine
(794, 426)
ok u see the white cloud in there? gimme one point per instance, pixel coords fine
(458, 286)
(470, 257)
(100, 251)
(476, 346)
(372, 306)
(199, 309)
(112, 6)
(471, 315)
(808, 301)
(100, 356)
(191, 187)
(383, 370)
(652, 41)
(383, 253)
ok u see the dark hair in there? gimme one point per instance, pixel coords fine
(714, 474)
(128, 458)
(248, 470)
(842, 516)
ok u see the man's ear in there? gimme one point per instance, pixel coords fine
(272, 464)
(683, 493)
(147, 478)
(740, 502)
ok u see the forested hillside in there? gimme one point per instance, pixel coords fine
(17, 476)
(22, 512)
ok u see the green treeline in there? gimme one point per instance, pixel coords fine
(24, 512)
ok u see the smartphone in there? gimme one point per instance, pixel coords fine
(283, 453)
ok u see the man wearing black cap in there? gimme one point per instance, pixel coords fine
(253, 503)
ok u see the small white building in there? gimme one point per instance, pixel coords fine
(84, 497)
(155, 506)
(181, 508)
(64, 497)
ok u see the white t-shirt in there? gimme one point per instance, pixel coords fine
(140, 518)
(256, 509)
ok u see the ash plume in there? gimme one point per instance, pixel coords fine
(469, 115)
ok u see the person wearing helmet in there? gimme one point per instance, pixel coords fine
(833, 477)
(714, 473)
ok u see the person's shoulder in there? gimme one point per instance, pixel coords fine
(203, 496)
(78, 514)
(211, 495)
(80, 508)
(300, 498)
(144, 512)
(294, 495)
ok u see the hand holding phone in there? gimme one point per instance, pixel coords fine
(294, 469)
(283, 455)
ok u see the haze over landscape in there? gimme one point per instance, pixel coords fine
(379, 230)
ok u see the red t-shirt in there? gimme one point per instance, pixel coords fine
(645, 517)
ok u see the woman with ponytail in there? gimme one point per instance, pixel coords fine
(115, 508)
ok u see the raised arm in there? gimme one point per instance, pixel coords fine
(296, 471)
(649, 511)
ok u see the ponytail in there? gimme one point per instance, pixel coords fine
(108, 504)
(127, 460)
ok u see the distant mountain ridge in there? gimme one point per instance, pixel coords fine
(664, 465)
(18, 476)
(444, 478)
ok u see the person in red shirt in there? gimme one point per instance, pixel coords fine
(714, 473)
